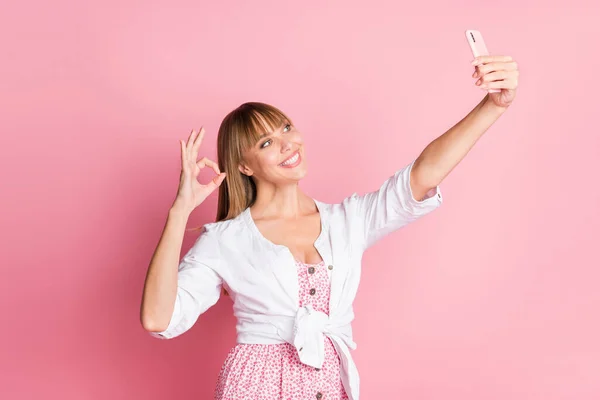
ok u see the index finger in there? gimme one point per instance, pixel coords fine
(487, 59)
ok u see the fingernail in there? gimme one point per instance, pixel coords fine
(475, 62)
(474, 74)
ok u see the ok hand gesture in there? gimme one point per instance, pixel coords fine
(192, 193)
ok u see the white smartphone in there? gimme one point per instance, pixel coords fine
(478, 47)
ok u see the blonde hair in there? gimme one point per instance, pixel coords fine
(239, 131)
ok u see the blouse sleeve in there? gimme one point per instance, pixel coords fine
(378, 213)
(198, 285)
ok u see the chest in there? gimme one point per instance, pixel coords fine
(298, 235)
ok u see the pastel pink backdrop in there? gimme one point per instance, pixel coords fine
(493, 296)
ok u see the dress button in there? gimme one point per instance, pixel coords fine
(313, 291)
(311, 270)
(319, 395)
(330, 267)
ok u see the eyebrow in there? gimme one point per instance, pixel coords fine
(285, 122)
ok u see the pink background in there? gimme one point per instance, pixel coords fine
(493, 296)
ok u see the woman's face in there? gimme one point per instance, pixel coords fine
(277, 157)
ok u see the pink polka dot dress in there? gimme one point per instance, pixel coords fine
(274, 371)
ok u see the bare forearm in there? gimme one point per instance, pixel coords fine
(160, 288)
(440, 157)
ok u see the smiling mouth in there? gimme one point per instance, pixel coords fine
(291, 161)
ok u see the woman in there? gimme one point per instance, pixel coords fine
(291, 263)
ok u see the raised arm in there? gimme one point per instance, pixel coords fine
(176, 293)
(413, 191)
(444, 153)
(440, 157)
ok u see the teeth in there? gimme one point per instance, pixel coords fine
(291, 160)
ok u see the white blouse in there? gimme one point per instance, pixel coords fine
(261, 276)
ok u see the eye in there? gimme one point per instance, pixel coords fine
(287, 126)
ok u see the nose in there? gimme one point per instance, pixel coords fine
(285, 145)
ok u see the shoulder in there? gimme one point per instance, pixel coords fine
(220, 227)
(229, 232)
(339, 214)
(212, 245)
(341, 209)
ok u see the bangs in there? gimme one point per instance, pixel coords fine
(253, 122)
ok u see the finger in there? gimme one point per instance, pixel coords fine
(498, 66)
(493, 76)
(197, 144)
(503, 84)
(219, 179)
(216, 181)
(183, 153)
(489, 58)
(189, 143)
(205, 161)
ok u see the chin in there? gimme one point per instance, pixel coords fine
(297, 173)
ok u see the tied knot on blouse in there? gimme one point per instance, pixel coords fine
(309, 327)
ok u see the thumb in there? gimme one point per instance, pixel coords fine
(217, 180)
(221, 177)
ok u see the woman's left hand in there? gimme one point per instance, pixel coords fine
(497, 72)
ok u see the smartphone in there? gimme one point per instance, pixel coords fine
(478, 47)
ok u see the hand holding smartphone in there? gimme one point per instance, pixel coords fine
(478, 48)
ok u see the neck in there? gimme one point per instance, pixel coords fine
(281, 202)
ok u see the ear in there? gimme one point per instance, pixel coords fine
(245, 170)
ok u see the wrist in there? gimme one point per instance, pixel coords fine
(490, 106)
(179, 210)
